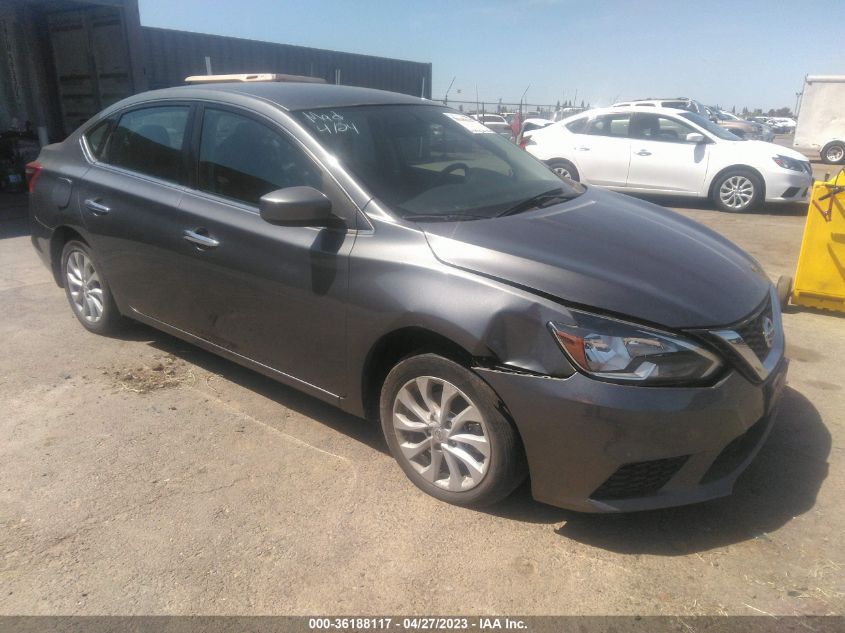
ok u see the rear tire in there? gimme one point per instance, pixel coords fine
(737, 190)
(87, 290)
(834, 153)
(564, 169)
(446, 428)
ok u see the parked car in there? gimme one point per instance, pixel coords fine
(495, 122)
(821, 119)
(678, 103)
(782, 125)
(749, 130)
(667, 151)
(398, 259)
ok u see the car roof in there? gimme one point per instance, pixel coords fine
(626, 109)
(288, 96)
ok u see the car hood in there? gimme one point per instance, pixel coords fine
(614, 253)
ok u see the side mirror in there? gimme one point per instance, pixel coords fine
(297, 206)
(695, 137)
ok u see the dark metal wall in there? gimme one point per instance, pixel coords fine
(173, 55)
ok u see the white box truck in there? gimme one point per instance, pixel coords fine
(821, 118)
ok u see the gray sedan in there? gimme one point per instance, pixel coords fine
(400, 260)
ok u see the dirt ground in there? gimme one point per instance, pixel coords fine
(141, 475)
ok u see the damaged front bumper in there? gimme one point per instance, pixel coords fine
(594, 446)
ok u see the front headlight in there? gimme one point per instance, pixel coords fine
(624, 352)
(788, 163)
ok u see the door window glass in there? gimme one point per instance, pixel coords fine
(609, 125)
(149, 141)
(242, 159)
(654, 127)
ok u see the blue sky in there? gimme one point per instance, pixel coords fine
(732, 53)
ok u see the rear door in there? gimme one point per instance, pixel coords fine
(662, 159)
(129, 202)
(602, 151)
(272, 294)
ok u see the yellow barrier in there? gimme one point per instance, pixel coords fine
(820, 277)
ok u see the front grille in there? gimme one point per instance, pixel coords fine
(639, 479)
(735, 453)
(752, 332)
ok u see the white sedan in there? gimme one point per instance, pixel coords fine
(671, 152)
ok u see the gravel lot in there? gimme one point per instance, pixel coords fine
(140, 475)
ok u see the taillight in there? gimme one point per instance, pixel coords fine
(33, 170)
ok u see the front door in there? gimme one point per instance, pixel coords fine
(662, 160)
(272, 294)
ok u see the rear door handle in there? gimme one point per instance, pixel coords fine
(644, 152)
(583, 149)
(201, 238)
(96, 208)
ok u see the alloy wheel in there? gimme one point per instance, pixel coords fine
(84, 286)
(562, 172)
(736, 192)
(834, 154)
(441, 433)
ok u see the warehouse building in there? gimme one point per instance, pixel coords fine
(61, 61)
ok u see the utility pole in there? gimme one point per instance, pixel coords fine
(446, 96)
(522, 99)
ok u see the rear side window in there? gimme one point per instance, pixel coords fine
(609, 125)
(149, 141)
(577, 126)
(243, 159)
(96, 137)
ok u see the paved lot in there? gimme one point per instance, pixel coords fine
(142, 475)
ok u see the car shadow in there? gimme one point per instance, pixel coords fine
(17, 227)
(676, 202)
(364, 431)
(780, 484)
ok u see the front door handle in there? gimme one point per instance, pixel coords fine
(95, 207)
(644, 152)
(201, 238)
(583, 149)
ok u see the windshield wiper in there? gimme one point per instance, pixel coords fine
(440, 217)
(539, 201)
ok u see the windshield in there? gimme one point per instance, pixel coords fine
(711, 127)
(425, 160)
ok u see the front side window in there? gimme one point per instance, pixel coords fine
(426, 160)
(243, 159)
(653, 127)
(711, 127)
(149, 141)
(609, 125)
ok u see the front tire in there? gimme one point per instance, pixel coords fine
(738, 190)
(446, 428)
(834, 153)
(564, 169)
(87, 291)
